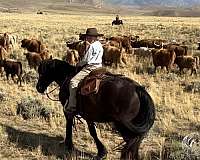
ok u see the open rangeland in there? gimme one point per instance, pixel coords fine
(177, 97)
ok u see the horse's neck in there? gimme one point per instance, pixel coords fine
(64, 73)
(64, 89)
(62, 80)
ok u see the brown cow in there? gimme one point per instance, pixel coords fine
(152, 43)
(124, 41)
(3, 56)
(114, 55)
(14, 68)
(3, 53)
(143, 52)
(33, 45)
(187, 62)
(180, 50)
(72, 57)
(80, 46)
(82, 37)
(149, 43)
(114, 43)
(5, 41)
(34, 59)
(44, 54)
(163, 58)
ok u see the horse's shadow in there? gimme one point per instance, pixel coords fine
(49, 145)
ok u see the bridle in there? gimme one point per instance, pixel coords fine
(66, 79)
(51, 92)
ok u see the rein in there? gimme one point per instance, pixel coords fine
(51, 92)
(55, 89)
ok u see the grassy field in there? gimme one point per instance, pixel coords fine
(177, 107)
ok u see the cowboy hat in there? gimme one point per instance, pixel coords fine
(92, 32)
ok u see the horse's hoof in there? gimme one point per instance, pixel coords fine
(68, 147)
(99, 158)
(68, 156)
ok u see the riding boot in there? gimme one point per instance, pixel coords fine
(71, 106)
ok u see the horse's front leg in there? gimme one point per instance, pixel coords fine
(102, 152)
(68, 139)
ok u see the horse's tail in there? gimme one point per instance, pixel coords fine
(146, 116)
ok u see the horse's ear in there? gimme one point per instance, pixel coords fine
(40, 63)
(51, 57)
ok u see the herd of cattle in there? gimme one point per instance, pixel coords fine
(116, 49)
(37, 52)
(163, 53)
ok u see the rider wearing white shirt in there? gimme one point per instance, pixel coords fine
(91, 60)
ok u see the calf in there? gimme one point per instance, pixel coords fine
(8, 41)
(34, 59)
(80, 46)
(163, 58)
(5, 42)
(143, 52)
(124, 41)
(187, 62)
(33, 45)
(113, 55)
(149, 43)
(3, 55)
(44, 54)
(72, 57)
(180, 50)
(14, 68)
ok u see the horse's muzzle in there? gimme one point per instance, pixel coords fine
(40, 89)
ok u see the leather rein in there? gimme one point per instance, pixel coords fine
(54, 90)
(51, 92)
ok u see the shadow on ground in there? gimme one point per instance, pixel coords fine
(50, 146)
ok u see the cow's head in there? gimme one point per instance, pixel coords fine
(24, 43)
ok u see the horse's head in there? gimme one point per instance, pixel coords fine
(52, 70)
(45, 72)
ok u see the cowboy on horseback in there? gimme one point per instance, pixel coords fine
(117, 18)
(91, 61)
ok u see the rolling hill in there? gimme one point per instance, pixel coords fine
(169, 3)
(170, 8)
(184, 3)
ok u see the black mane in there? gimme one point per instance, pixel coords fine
(58, 67)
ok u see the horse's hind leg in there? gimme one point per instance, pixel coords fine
(130, 150)
(68, 138)
(102, 152)
(133, 141)
(19, 80)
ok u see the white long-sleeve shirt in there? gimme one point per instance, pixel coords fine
(93, 55)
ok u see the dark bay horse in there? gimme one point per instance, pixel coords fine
(115, 22)
(119, 100)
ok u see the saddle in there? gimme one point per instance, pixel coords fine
(90, 84)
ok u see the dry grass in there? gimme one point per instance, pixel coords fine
(178, 112)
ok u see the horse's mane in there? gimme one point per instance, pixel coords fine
(61, 66)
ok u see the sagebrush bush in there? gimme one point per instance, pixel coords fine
(29, 108)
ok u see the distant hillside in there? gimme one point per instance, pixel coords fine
(32, 3)
(29, 3)
(172, 8)
(175, 12)
(155, 2)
